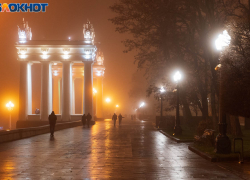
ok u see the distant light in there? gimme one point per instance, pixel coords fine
(10, 106)
(108, 100)
(117, 106)
(66, 56)
(45, 56)
(162, 90)
(69, 38)
(55, 64)
(94, 91)
(55, 73)
(223, 40)
(177, 76)
(98, 73)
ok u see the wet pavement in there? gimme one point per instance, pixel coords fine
(134, 150)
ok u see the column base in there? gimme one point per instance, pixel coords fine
(177, 130)
(222, 144)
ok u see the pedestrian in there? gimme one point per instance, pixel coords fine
(52, 123)
(84, 120)
(120, 118)
(88, 117)
(114, 118)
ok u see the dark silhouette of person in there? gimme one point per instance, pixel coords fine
(120, 118)
(52, 123)
(88, 117)
(114, 118)
(84, 120)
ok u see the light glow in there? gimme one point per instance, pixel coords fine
(98, 73)
(162, 90)
(142, 104)
(117, 106)
(10, 105)
(108, 100)
(177, 76)
(55, 73)
(222, 41)
(94, 91)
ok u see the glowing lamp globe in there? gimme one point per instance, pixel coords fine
(177, 76)
(222, 41)
(10, 105)
(108, 100)
(162, 90)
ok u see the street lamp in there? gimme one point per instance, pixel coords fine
(10, 107)
(222, 142)
(177, 127)
(162, 90)
(142, 104)
(117, 106)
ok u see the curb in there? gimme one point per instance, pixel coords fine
(202, 154)
(213, 158)
(175, 139)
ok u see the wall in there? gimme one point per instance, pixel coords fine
(16, 134)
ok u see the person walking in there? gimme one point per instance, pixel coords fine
(52, 122)
(84, 120)
(114, 118)
(88, 117)
(120, 118)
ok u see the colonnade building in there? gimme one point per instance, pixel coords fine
(61, 63)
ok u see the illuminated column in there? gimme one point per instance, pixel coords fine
(56, 93)
(83, 95)
(25, 91)
(66, 91)
(46, 92)
(99, 95)
(73, 98)
(88, 88)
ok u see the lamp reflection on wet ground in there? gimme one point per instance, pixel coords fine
(133, 150)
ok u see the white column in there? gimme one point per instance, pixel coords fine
(88, 88)
(56, 94)
(99, 96)
(25, 91)
(46, 92)
(73, 98)
(66, 91)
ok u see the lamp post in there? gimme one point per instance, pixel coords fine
(222, 142)
(177, 127)
(162, 90)
(10, 107)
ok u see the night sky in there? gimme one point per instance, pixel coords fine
(65, 19)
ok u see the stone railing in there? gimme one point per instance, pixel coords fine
(16, 134)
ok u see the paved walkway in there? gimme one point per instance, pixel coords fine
(132, 151)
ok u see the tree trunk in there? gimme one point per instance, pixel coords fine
(229, 125)
(235, 126)
(213, 107)
(247, 123)
(187, 115)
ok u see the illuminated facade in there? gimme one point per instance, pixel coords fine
(62, 62)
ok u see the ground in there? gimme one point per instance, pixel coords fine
(134, 150)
